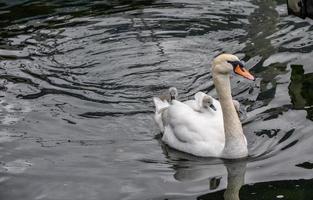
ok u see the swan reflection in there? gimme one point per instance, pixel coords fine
(227, 175)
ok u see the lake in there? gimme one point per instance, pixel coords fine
(76, 86)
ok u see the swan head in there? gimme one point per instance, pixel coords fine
(227, 63)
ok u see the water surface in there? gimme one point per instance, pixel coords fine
(77, 81)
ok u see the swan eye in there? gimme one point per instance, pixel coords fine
(240, 70)
(236, 64)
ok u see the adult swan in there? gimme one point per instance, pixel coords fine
(210, 133)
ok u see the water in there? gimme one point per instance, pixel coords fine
(77, 78)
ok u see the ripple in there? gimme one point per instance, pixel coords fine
(77, 78)
(16, 166)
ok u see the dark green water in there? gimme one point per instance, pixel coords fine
(76, 86)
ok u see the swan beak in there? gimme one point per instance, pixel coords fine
(243, 72)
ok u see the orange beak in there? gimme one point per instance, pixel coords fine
(243, 72)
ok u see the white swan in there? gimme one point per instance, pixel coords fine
(212, 133)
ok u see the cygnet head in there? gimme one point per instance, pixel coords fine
(207, 101)
(204, 101)
(173, 93)
(226, 63)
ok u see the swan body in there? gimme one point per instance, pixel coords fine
(190, 136)
(187, 130)
(192, 128)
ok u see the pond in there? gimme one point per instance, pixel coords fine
(76, 88)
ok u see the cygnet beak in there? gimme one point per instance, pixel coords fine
(213, 107)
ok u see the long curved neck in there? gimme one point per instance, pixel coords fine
(235, 142)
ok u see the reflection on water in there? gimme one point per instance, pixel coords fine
(235, 179)
(217, 173)
(300, 90)
(76, 83)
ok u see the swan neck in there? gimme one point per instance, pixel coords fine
(235, 141)
(223, 88)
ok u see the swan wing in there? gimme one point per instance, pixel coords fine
(190, 125)
(198, 133)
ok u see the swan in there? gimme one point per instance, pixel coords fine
(212, 133)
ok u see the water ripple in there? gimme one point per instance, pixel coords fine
(78, 77)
